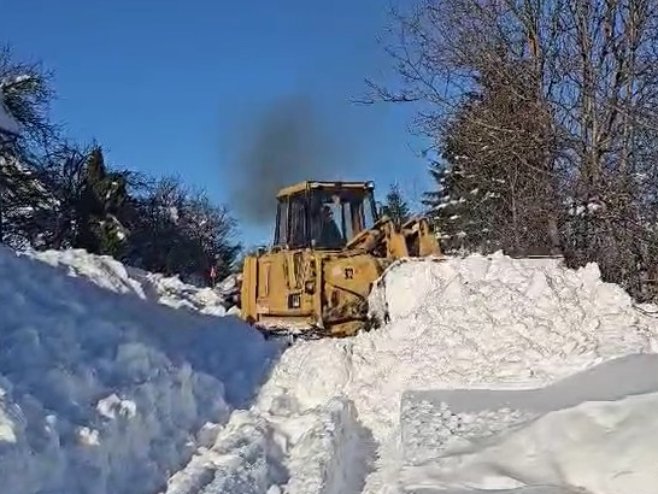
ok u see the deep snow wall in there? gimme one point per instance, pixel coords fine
(594, 432)
(479, 322)
(109, 273)
(103, 384)
(474, 322)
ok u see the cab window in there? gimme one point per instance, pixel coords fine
(297, 223)
(327, 224)
(281, 233)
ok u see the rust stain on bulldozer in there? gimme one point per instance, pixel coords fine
(329, 247)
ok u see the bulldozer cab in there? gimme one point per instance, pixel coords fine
(329, 248)
(323, 215)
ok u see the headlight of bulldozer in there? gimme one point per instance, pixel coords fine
(309, 287)
(294, 301)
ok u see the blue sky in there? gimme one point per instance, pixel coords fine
(171, 87)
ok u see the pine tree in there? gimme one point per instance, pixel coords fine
(102, 200)
(90, 206)
(396, 207)
(494, 183)
(25, 130)
(460, 207)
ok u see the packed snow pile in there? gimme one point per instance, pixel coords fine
(480, 322)
(101, 389)
(111, 378)
(594, 432)
(109, 273)
(594, 447)
(285, 449)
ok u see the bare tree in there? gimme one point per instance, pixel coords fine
(592, 65)
(181, 232)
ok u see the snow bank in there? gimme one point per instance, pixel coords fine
(480, 322)
(102, 391)
(109, 273)
(245, 459)
(282, 449)
(475, 322)
(597, 447)
(325, 448)
(584, 432)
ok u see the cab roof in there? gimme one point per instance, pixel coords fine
(308, 184)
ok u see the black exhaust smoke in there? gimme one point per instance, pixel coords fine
(287, 142)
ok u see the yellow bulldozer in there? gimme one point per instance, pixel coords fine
(330, 246)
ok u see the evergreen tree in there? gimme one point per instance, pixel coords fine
(461, 207)
(25, 96)
(54, 194)
(495, 187)
(102, 200)
(396, 207)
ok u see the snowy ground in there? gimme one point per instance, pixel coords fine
(593, 431)
(103, 384)
(329, 419)
(492, 375)
(113, 275)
